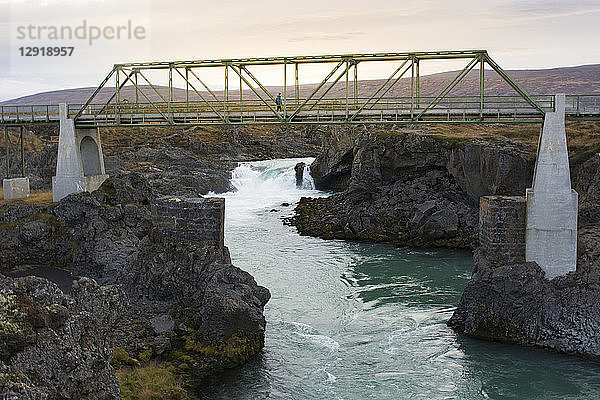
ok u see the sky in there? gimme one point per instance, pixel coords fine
(517, 34)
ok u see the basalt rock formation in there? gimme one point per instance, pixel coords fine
(408, 188)
(54, 345)
(187, 304)
(515, 303)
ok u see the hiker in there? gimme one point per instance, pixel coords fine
(278, 102)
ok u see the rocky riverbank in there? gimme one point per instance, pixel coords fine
(515, 303)
(415, 187)
(409, 188)
(143, 287)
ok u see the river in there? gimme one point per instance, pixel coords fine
(365, 321)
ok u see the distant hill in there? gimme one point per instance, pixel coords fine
(583, 79)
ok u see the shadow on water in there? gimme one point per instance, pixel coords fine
(253, 376)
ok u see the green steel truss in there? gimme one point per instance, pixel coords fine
(176, 93)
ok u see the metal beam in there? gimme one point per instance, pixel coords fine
(330, 87)
(512, 83)
(22, 152)
(239, 72)
(89, 100)
(7, 152)
(381, 87)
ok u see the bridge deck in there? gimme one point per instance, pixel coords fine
(299, 111)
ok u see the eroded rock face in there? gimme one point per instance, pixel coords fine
(517, 304)
(410, 189)
(188, 305)
(332, 168)
(58, 346)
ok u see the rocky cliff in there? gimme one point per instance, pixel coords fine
(187, 305)
(410, 188)
(57, 346)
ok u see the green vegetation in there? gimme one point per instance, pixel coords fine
(122, 359)
(11, 318)
(151, 382)
(15, 332)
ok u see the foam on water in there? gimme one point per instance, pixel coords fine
(311, 334)
(264, 185)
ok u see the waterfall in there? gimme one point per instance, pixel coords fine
(266, 185)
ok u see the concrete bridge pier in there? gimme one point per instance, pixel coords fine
(80, 162)
(551, 233)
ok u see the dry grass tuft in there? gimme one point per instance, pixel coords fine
(37, 197)
(152, 382)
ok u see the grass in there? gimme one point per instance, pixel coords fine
(151, 382)
(39, 197)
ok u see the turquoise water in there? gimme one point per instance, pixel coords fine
(362, 321)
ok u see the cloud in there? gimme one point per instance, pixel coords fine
(544, 9)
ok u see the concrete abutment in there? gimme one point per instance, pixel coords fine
(542, 226)
(80, 162)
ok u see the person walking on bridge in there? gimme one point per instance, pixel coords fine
(278, 102)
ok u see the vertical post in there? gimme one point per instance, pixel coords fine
(347, 98)
(137, 92)
(6, 152)
(226, 97)
(118, 97)
(241, 96)
(22, 152)
(355, 83)
(481, 85)
(285, 89)
(297, 85)
(418, 84)
(187, 89)
(412, 87)
(170, 105)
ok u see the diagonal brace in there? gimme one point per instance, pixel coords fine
(380, 88)
(238, 71)
(200, 95)
(450, 86)
(323, 82)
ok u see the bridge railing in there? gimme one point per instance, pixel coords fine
(28, 114)
(583, 105)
